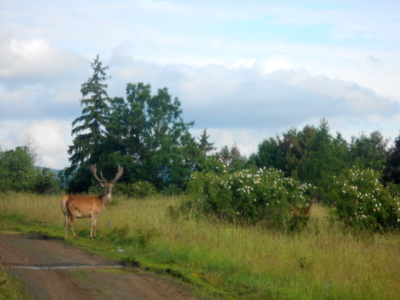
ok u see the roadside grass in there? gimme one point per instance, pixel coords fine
(225, 260)
(11, 288)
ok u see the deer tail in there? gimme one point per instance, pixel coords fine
(63, 205)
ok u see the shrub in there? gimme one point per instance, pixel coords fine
(261, 196)
(171, 190)
(362, 202)
(394, 189)
(45, 181)
(138, 189)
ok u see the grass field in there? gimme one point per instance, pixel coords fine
(224, 260)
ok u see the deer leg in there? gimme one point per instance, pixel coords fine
(93, 230)
(66, 227)
(71, 223)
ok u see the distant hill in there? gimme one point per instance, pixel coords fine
(56, 171)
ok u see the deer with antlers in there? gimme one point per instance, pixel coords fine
(88, 206)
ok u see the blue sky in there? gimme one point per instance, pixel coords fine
(245, 70)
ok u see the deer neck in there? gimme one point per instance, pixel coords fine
(106, 196)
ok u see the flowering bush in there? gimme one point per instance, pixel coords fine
(361, 201)
(252, 196)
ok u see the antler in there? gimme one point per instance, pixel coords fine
(94, 171)
(102, 179)
(118, 175)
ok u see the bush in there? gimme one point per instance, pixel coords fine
(394, 189)
(261, 196)
(362, 202)
(171, 190)
(45, 181)
(138, 189)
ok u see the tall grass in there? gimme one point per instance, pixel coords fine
(323, 262)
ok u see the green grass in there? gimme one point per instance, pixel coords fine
(224, 260)
(11, 287)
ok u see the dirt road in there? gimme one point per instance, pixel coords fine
(53, 270)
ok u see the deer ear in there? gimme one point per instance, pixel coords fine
(102, 184)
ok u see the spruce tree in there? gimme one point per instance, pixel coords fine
(89, 128)
(204, 145)
(392, 170)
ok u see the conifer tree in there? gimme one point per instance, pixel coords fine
(392, 170)
(204, 145)
(89, 128)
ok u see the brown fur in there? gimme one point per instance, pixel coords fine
(87, 206)
(303, 211)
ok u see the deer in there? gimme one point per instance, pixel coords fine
(301, 211)
(74, 206)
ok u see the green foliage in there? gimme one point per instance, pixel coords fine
(392, 167)
(79, 181)
(231, 158)
(326, 158)
(150, 130)
(362, 202)
(212, 164)
(16, 170)
(18, 173)
(262, 196)
(146, 134)
(269, 154)
(368, 151)
(311, 154)
(236, 262)
(12, 287)
(204, 145)
(139, 189)
(89, 128)
(45, 181)
(394, 189)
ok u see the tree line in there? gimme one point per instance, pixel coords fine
(145, 132)
(315, 156)
(19, 173)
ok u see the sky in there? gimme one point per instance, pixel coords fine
(245, 70)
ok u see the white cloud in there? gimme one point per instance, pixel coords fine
(38, 80)
(245, 103)
(244, 69)
(47, 138)
(246, 140)
(33, 61)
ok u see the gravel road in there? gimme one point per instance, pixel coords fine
(53, 270)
